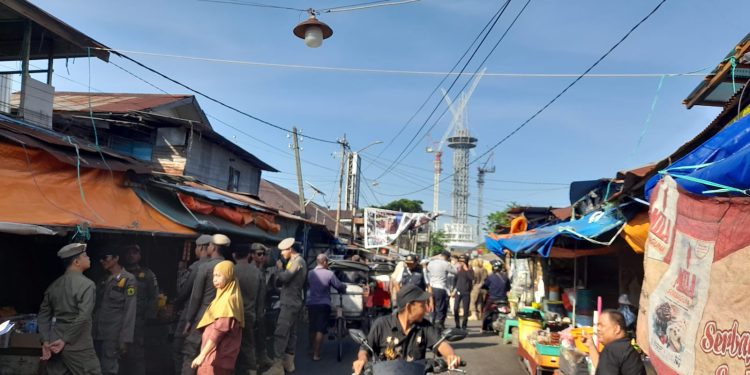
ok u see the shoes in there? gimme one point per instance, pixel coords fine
(277, 368)
(288, 363)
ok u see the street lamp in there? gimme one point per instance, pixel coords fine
(313, 31)
(368, 146)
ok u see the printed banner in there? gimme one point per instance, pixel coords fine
(694, 315)
(382, 227)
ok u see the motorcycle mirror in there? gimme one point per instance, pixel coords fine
(454, 334)
(358, 336)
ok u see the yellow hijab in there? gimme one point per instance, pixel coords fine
(228, 302)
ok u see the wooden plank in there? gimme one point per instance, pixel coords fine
(723, 71)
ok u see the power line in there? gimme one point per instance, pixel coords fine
(554, 99)
(692, 73)
(217, 101)
(507, 30)
(494, 20)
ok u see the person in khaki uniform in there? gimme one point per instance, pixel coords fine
(183, 294)
(201, 296)
(249, 279)
(292, 280)
(134, 361)
(477, 293)
(114, 316)
(260, 253)
(65, 317)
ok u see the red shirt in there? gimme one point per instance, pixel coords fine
(227, 334)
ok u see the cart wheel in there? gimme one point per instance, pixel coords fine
(340, 332)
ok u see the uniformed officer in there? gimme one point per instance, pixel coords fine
(260, 261)
(183, 294)
(65, 317)
(114, 316)
(134, 361)
(201, 296)
(249, 279)
(292, 280)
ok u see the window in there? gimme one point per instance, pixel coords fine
(234, 179)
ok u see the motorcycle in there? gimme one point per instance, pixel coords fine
(495, 316)
(432, 365)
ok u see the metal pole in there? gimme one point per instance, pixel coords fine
(341, 183)
(26, 53)
(300, 186)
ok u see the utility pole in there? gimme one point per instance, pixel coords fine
(480, 190)
(344, 145)
(300, 186)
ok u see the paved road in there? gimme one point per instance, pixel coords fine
(483, 353)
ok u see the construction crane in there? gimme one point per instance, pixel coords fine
(487, 167)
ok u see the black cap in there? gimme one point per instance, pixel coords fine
(411, 258)
(411, 293)
(446, 254)
(109, 251)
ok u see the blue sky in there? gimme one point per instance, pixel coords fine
(591, 132)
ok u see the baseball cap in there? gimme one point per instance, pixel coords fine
(411, 293)
(446, 254)
(411, 258)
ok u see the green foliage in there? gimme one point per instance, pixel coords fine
(437, 239)
(499, 218)
(404, 205)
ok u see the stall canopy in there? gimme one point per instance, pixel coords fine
(39, 189)
(594, 228)
(719, 165)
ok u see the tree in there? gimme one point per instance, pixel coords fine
(437, 240)
(499, 218)
(404, 205)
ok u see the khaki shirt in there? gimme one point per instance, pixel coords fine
(116, 299)
(249, 278)
(292, 280)
(69, 300)
(148, 293)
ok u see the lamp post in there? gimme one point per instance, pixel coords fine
(352, 184)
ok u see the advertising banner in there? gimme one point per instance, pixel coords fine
(382, 227)
(694, 313)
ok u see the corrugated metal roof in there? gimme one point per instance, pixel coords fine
(106, 102)
(717, 88)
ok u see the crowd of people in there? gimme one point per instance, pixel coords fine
(90, 328)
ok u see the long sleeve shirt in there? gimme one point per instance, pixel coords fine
(249, 278)
(115, 315)
(437, 273)
(69, 300)
(320, 281)
(292, 281)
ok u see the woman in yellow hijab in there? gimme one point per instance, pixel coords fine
(222, 325)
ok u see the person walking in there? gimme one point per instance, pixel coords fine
(260, 254)
(201, 296)
(464, 285)
(115, 313)
(292, 280)
(183, 294)
(320, 281)
(248, 279)
(134, 360)
(222, 324)
(65, 317)
(477, 293)
(437, 275)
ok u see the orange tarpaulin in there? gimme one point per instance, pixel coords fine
(636, 232)
(39, 189)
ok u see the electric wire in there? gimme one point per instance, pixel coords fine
(553, 100)
(495, 20)
(217, 101)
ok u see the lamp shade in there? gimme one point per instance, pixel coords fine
(313, 32)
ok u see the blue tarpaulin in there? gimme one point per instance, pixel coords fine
(724, 159)
(540, 240)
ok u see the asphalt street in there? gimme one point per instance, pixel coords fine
(484, 354)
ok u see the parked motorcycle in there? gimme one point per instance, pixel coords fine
(495, 316)
(432, 365)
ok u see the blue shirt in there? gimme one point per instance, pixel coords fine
(497, 286)
(320, 281)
